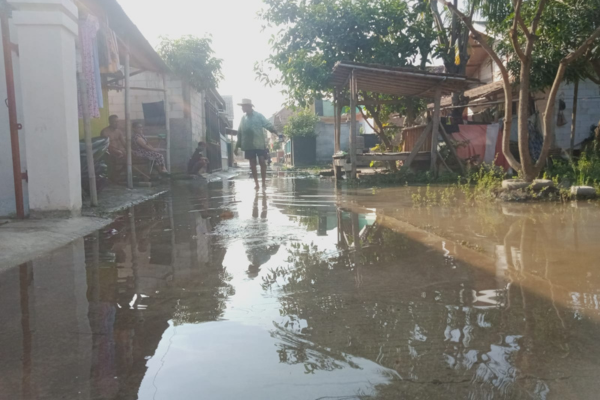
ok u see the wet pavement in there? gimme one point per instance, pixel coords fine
(309, 291)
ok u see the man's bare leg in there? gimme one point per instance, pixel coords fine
(263, 171)
(254, 172)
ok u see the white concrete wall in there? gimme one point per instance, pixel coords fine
(47, 36)
(224, 155)
(116, 99)
(197, 113)
(588, 112)
(7, 187)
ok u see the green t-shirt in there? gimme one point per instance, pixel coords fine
(251, 135)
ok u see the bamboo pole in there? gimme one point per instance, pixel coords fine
(337, 120)
(436, 128)
(12, 114)
(450, 145)
(353, 124)
(167, 122)
(89, 150)
(574, 116)
(420, 142)
(87, 130)
(128, 124)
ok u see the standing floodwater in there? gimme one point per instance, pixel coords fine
(216, 292)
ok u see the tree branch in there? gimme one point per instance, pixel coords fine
(478, 36)
(538, 16)
(366, 119)
(519, 19)
(534, 25)
(442, 36)
(549, 127)
(514, 32)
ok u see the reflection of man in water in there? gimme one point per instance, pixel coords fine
(260, 251)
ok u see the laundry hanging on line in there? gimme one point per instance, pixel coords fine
(108, 50)
(90, 68)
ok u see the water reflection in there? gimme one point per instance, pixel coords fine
(178, 300)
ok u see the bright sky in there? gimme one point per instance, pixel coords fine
(237, 39)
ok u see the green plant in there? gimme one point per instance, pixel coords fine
(301, 124)
(483, 183)
(192, 59)
(584, 171)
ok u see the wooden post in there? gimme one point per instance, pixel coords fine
(87, 129)
(436, 128)
(337, 120)
(12, 114)
(420, 142)
(452, 149)
(574, 121)
(353, 132)
(128, 124)
(167, 122)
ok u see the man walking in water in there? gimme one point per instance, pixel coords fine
(251, 139)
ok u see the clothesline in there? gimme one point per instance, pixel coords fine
(99, 52)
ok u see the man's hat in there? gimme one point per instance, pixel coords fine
(246, 102)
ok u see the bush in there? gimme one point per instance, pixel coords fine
(301, 124)
(584, 171)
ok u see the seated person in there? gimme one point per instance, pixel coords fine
(198, 160)
(142, 149)
(118, 146)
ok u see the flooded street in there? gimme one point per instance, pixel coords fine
(309, 291)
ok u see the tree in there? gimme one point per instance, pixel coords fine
(301, 124)
(192, 59)
(452, 46)
(314, 35)
(527, 23)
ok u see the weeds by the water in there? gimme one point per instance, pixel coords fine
(584, 171)
(405, 176)
(482, 184)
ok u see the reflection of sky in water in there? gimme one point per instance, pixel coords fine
(464, 302)
(229, 360)
(267, 350)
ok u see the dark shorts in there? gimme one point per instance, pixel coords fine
(252, 154)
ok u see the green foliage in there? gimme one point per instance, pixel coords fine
(314, 35)
(585, 171)
(192, 59)
(434, 197)
(563, 27)
(301, 124)
(483, 183)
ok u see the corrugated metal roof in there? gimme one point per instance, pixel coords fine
(141, 52)
(406, 82)
(478, 93)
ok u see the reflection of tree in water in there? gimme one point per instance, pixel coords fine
(200, 305)
(415, 311)
(294, 349)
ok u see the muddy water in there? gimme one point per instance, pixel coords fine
(308, 292)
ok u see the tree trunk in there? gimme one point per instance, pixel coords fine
(527, 165)
(574, 117)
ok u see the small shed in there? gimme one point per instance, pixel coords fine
(396, 81)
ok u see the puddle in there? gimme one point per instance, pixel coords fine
(310, 292)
